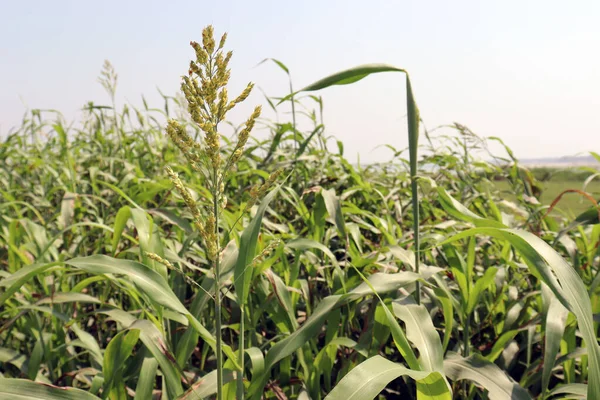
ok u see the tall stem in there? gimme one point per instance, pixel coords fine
(415, 205)
(466, 347)
(240, 374)
(294, 122)
(466, 341)
(218, 291)
(413, 145)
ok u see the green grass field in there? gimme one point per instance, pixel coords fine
(571, 203)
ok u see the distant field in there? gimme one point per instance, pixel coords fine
(570, 202)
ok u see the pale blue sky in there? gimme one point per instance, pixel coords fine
(526, 71)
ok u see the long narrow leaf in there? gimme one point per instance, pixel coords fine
(368, 379)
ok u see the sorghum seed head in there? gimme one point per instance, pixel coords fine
(208, 40)
(223, 39)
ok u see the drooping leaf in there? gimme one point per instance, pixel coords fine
(486, 375)
(457, 210)
(121, 219)
(150, 282)
(570, 391)
(334, 208)
(562, 279)
(21, 389)
(15, 281)
(346, 77)
(421, 332)
(368, 379)
(206, 386)
(308, 244)
(156, 345)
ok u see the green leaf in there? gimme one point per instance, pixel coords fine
(441, 293)
(501, 344)
(117, 352)
(306, 142)
(588, 217)
(404, 255)
(206, 386)
(15, 281)
(482, 283)
(67, 210)
(423, 335)
(33, 364)
(346, 77)
(279, 64)
(283, 297)
(485, 374)
(150, 282)
(355, 74)
(369, 378)
(242, 275)
(147, 377)
(556, 319)
(155, 342)
(21, 389)
(400, 339)
(120, 221)
(334, 208)
(257, 359)
(562, 279)
(69, 297)
(308, 244)
(10, 356)
(88, 342)
(120, 192)
(149, 240)
(381, 282)
(458, 211)
(570, 391)
(172, 218)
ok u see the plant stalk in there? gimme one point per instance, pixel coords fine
(415, 204)
(218, 295)
(240, 374)
(466, 341)
(413, 146)
(466, 347)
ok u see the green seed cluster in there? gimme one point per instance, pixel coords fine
(265, 253)
(205, 90)
(259, 191)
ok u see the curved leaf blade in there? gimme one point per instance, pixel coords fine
(368, 379)
(485, 374)
(22, 389)
(242, 274)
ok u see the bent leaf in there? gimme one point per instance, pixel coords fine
(369, 378)
(22, 389)
(485, 374)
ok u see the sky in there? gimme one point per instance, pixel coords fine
(525, 71)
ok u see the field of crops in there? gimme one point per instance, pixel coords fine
(142, 259)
